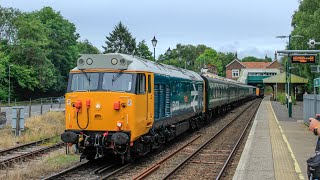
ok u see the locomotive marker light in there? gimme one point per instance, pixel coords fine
(89, 61)
(114, 61)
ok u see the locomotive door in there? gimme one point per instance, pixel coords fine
(150, 98)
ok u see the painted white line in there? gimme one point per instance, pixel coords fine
(296, 165)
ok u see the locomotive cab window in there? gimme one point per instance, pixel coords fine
(117, 82)
(141, 84)
(84, 81)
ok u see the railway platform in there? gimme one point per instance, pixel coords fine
(277, 146)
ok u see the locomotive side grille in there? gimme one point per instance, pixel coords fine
(167, 105)
(162, 100)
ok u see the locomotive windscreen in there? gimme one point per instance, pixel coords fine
(106, 81)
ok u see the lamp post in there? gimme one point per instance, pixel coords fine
(169, 52)
(154, 44)
(288, 74)
(9, 85)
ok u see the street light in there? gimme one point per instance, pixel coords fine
(169, 52)
(154, 44)
(9, 85)
(288, 73)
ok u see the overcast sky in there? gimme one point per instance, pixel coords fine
(246, 26)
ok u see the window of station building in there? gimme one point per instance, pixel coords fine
(235, 72)
(141, 84)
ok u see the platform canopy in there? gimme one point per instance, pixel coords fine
(281, 78)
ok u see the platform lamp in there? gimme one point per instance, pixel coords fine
(288, 73)
(154, 44)
(169, 52)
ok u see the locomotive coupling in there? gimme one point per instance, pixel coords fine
(69, 137)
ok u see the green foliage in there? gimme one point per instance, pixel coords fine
(305, 22)
(209, 57)
(184, 56)
(143, 51)
(85, 47)
(41, 47)
(120, 40)
(254, 59)
(7, 27)
(281, 97)
(225, 60)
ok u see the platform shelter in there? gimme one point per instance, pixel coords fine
(278, 84)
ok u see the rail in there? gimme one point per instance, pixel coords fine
(147, 172)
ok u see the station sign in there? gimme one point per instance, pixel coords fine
(316, 82)
(303, 59)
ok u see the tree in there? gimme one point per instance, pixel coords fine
(32, 70)
(143, 51)
(209, 57)
(62, 44)
(7, 27)
(120, 40)
(85, 47)
(225, 59)
(305, 22)
(184, 54)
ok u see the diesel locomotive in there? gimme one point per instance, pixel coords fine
(123, 106)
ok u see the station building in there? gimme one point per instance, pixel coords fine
(252, 73)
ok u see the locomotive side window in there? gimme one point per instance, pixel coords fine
(149, 83)
(85, 82)
(141, 84)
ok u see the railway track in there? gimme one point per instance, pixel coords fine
(89, 170)
(22, 153)
(204, 160)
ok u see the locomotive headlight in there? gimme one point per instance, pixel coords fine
(114, 61)
(81, 62)
(89, 61)
(119, 124)
(98, 107)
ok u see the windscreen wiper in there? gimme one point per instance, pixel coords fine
(86, 75)
(118, 75)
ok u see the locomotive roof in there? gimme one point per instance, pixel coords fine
(129, 62)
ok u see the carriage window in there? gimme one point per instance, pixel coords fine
(141, 84)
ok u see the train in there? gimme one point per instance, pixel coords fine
(124, 106)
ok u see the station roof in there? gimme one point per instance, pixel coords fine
(281, 78)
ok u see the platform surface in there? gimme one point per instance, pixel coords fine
(277, 146)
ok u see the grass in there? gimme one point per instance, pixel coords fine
(53, 162)
(36, 128)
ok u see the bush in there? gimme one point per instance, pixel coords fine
(281, 97)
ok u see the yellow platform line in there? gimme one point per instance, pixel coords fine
(296, 165)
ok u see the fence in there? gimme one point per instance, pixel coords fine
(308, 106)
(33, 106)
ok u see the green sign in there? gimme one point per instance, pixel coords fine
(316, 82)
